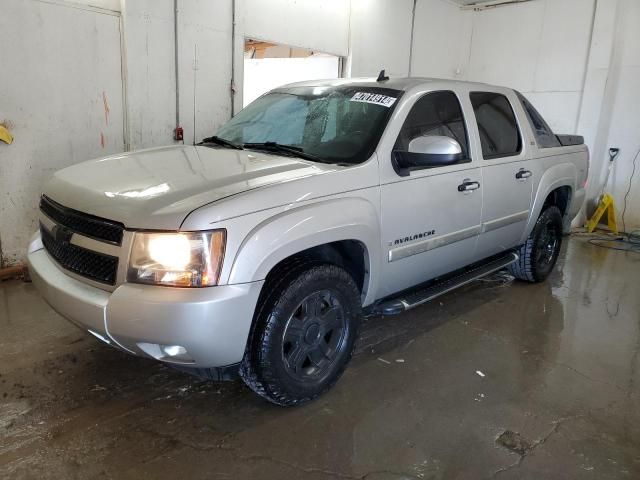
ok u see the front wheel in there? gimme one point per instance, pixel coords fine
(540, 252)
(303, 335)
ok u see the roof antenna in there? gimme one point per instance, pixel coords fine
(381, 76)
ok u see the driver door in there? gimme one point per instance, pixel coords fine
(430, 219)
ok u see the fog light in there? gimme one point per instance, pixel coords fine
(166, 353)
(173, 350)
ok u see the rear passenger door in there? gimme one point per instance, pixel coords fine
(508, 172)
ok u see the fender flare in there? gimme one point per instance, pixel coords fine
(563, 175)
(301, 228)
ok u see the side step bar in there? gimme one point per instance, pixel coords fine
(414, 298)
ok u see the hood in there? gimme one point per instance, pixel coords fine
(157, 188)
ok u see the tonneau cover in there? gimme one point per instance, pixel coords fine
(569, 140)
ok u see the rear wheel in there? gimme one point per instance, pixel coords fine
(540, 252)
(303, 335)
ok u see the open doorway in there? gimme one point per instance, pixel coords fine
(269, 65)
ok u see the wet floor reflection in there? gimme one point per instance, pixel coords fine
(428, 393)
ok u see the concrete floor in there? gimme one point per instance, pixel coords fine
(497, 380)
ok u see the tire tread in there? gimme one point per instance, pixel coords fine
(255, 369)
(524, 268)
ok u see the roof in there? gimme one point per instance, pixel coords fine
(398, 83)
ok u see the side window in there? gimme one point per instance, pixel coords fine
(435, 114)
(499, 134)
(545, 138)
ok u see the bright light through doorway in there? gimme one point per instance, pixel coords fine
(268, 65)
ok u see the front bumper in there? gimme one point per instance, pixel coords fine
(210, 324)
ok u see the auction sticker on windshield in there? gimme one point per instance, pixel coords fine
(374, 98)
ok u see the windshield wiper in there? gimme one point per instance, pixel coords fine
(221, 141)
(290, 149)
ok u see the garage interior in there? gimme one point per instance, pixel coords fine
(499, 379)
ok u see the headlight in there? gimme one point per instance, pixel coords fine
(190, 259)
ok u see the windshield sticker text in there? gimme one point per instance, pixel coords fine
(374, 98)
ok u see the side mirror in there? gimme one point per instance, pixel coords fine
(438, 146)
(427, 152)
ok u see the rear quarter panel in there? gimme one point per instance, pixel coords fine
(559, 167)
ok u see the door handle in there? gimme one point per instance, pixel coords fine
(468, 186)
(523, 174)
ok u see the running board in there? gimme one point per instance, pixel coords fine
(414, 298)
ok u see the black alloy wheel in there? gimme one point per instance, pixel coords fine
(314, 336)
(304, 330)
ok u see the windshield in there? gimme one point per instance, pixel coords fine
(336, 124)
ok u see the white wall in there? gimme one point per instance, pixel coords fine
(432, 56)
(61, 94)
(315, 25)
(264, 74)
(321, 26)
(380, 37)
(68, 53)
(205, 64)
(113, 5)
(204, 53)
(581, 67)
(613, 79)
(63, 55)
(539, 48)
(150, 72)
(577, 63)
(204, 44)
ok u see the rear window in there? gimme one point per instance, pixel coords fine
(545, 138)
(499, 134)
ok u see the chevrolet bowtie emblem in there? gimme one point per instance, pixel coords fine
(61, 234)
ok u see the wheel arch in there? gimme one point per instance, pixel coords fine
(344, 232)
(559, 197)
(556, 187)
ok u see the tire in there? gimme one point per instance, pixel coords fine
(303, 334)
(540, 252)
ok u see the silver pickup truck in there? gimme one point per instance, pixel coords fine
(259, 250)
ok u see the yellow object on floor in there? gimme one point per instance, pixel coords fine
(5, 136)
(608, 206)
